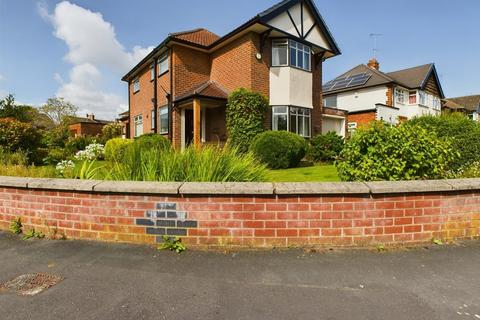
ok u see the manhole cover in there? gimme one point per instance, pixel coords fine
(31, 284)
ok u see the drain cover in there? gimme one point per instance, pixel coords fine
(31, 284)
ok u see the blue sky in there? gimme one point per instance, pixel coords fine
(80, 49)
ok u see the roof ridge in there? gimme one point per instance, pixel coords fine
(179, 33)
(416, 67)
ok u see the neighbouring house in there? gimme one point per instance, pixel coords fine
(88, 126)
(370, 94)
(180, 89)
(469, 105)
(124, 120)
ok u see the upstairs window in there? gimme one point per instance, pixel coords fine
(136, 85)
(330, 101)
(399, 96)
(299, 55)
(152, 72)
(412, 97)
(422, 98)
(163, 111)
(279, 53)
(291, 53)
(163, 64)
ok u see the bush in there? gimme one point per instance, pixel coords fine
(16, 135)
(245, 117)
(406, 152)
(8, 158)
(464, 132)
(279, 149)
(55, 155)
(79, 143)
(209, 164)
(152, 141)
(111, 131)
(57, 137)
(115, 149)
(326, 147)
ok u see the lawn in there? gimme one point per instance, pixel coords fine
(318, 173)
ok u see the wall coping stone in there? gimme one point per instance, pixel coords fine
(227, 188)
(233, 188)
(138, 187)
(312, 188)
(389, 187)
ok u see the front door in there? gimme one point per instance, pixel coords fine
(188, 127)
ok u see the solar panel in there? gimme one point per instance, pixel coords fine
(347, 82)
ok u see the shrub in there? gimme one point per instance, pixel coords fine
(326, 147)
(76, 144)
(7, 158)
(55, 155)
(279, 149)
(152, 141)
(112, 131)
(16, 135)
(58, 137)
(464, 132)
(209, 164)
(245, 117)
(406, 152)
(115, 149)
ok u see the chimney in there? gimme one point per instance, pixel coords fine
(374, 64)
(90, 116)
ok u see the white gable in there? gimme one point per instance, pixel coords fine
(295, 28)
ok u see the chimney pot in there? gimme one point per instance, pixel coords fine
(90, 116)
(374, 64)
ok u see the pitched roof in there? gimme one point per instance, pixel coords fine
(209, 89)
(471, 103)
(202, 37)
(411, 78)
(75, 120)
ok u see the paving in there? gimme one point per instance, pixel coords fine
(109, 281)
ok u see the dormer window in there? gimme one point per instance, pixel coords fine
(287, 52)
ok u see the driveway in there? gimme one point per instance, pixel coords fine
(103, 281)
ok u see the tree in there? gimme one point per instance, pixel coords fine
(9, 109)
(59, 110)
(111, 131)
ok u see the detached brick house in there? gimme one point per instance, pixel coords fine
(88, 126)
(180, 89)
(369, 94)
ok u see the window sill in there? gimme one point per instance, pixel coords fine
(293, 67)
(164, 72)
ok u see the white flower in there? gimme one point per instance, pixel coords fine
(64, 165)
(92, 152)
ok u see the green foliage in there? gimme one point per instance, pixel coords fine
(245, 117)
(463, 131)
(9, 109)
(407, 152)
(28, 171)
(16, 135)
(87, 170)
(470, 171)
(326, 147)
(115, 149)
(152, 141)
(16, 226)
(57, 137)
(209, 164)
(279, 149)
(33, 234)
(19, 157)
(55, 155)
(172, 244)
(75, 144)
(112, 131)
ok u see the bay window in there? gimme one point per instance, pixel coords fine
(293, 119)
(399, 96)
(412, 97)
(138, 125)
(422, 98)
(291, 53)
(163, 111)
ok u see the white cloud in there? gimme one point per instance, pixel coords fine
(93, 49)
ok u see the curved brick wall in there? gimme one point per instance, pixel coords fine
(246, 215)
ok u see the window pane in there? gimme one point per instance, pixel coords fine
(293, 57)
(153, 119)
(307, 127)
(279, 53)
(163, 120)
(300, 60)
(293, 122)
(307, 60)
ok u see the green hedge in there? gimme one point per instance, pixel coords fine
(407, 152)
(115, 149)
(326, 147)
(245, 116)
(279, 149)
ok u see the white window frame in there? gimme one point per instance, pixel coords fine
(286, 111)
(411, 94)
(163, 113)
(277, 45)
(352, 127)
(138, 125)
(163, 64)
(136, 85)
(152, 72)
(334, 97)
(422, 98)
(302, 51)
(399, 96)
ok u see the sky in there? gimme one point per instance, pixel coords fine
(80, 49)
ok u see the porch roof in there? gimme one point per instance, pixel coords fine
(209, 90)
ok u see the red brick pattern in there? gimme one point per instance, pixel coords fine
(249, 221)
(362, 118)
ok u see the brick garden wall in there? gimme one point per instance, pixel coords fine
(280, 215)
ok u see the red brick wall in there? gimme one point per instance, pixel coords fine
(362, 118)
(191, 68)
(88, 129)
(247, 221)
